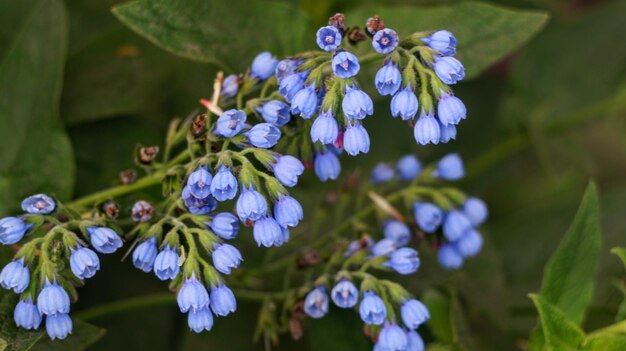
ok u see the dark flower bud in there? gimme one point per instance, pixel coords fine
(142, 211)
(197, 127)
(374, 24)
(309, 258)
(355, 35)
(295, 328)
(128, 176)
(148, 154)
(337, 21)
(111, 209)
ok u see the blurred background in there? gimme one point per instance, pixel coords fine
(546, 113)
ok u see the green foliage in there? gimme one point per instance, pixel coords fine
(486, 33)
(560, 333)
(16, 339)
(36, 153)
(83, 336)
(228, 33)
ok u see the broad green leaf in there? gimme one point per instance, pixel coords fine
(83, 335)
(605, 343)
(440, 322)
(36, 153)
(568, 275)
(485, 33)
(560, 333)
(621, 253)
(228, 33)
(17, 339)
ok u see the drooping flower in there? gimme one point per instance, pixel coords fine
(356, 104)
(449, 257)
(426, 129)
(275, 112)
(230, 123)
(15, 276)
(345, 65)
(224, 185)
(84, 263)
(230, 86)
(263, 135)
(53, 299)
(304, 102)
(26, 314)
(383, 172)
(475, 210)
(166, 263)
(316, 303)
(226, 258)
(388, 79)
(356, 140)
(192, 295)
(325, 128)
(345, 294)
(450, 109)
(469, 244)
(225, 225)
(200, 319)
(450, 167)
(408, 167)
(267, 232)
(199, 182)
(449, 69)
(372, 309)
(38, 204)
(58, 326)
(442, 41)
(263, 65)
(288, 211)
(455, 225)
(428, 216)
(251, 205)
(12, 230)
(145, 254)
(404, 261)
(414, 313)
(397, 231)
(392, 338)
(404, 104)
(222, 300)
(287, 169)
(104, 240)
(326, 166)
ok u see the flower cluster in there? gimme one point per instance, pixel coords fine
(52, 257)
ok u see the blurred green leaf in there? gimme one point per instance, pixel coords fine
(17, 339)
(339, 330)
(568, 275)
(621, 253)
(486, 33)
(560, 333)
(36, 153)
(228, 33)
(440, 323)
(605, 343)
(83, 335)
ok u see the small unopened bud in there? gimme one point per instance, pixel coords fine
(356, 35)
(111, 209)
(198, 124)
(295, 328)
(298, 310)
(337, 21)
(309, 258)
(332, 198)
(142, 211)
(128, 176)
(148, 154)
(374, 24)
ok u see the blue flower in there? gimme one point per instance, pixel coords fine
(230, 86)
(384, 247)
(455, 225)
(104, 240)
(325, 128)
(392, 338)
(475, 210)
(442, 41)
(275, 112)
(356, 104)
(382, 173)
(447, 132)
(58, 326)
(197, 205)
(166, 263)
(404, 261)
(449, 69)
(26, 315)
(450, 109)
(385, 41)
(469, 244)
(199, 182)
(263, 135)
(288, 211)
(450, 167)
(38, 204)
(287, 169)
(388, 79)
(283, 238)
(53, 299)
(15, 276)
(328, 38)
(12, 230)
(304, 102)
(427, 216)
(84, 262)
(316, 303)
(222, 300)
(397, 231)
(286, 67)
(267, 232)
(263, 66)
(291, 85)
(415, 341)
(345, 294)
(356, 140)
(404, 104)
(224, 185)
(226, 257)
(326, 166)
(251, 205)
(230, 123)
(200, 319)
(144, 254)
(426, 129)
(141, 211)
(225, 225)
(192, 296)
(372, 309)
(449, 257)
(345, 65)
(414, 313)
(408, 167)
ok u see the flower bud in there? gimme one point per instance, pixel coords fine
(442, 41)
(388, 79)
(12, 230)
(251, 205)
(15, 276)
(414, 313)
(450, 167)
(58, 326)
(316, 303)
(225, 225)
(326, 166)
(475, 210)
(230, 123)
(38, 204)
(449, 257)
(166, 263)
(263, 135)
(275, 112)
(230, 86)
(226, 257)
(409, 167)
(427, 216)
(449, 69)
(224, 185)
(356, 104)
(288, 211)
(222, 300)
(104, 240)
(372, 309)
(404, 104)
(469, 244)
(84, 262)
(397, 232)
(356, 140)
(325, 128)
(263, 66)
(345, 294)
(382, 173)
(145, 254)
(192, 296)
(200, 319)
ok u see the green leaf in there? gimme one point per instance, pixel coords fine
(621, 253)
(339, 330)
(486, 33)
(605, 343)
(228, 33)
(17, 339)
(560, 333)
(36, 153)
(440, 322)
(83, 335)
(568, 276)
